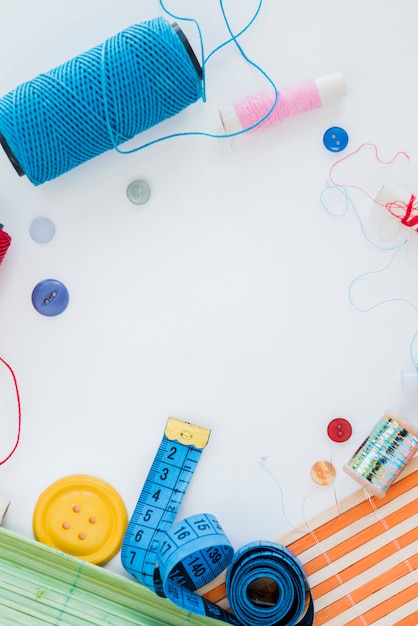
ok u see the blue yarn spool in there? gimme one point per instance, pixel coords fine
(98, 100)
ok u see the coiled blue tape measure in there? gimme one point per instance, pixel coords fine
(193, 552)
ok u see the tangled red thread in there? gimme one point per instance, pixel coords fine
(407, 214)
(5, 241)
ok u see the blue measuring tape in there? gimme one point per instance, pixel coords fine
(265, 582)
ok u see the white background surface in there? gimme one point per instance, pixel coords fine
(223, 301)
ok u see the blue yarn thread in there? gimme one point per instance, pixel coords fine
(233, 38)
(47, 128)
(98, 100)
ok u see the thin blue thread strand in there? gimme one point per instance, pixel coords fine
(233, 39)
(388, 300)
(349, 204)
(374, 272)
(107, 96)
(201, 43)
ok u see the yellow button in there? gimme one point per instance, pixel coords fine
(83, 516)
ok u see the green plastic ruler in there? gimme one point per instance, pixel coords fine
(40, 585)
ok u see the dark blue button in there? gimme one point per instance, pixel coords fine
(50, 297)
(335, 139)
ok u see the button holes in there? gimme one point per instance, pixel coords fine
(138, 192)
(76, 508)
(66, 525)
(82, 536)
(323, 473)
(92, 519)
(51, 296)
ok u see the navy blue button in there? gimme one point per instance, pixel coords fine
(42, 230)
(335, 139)
(50, 297)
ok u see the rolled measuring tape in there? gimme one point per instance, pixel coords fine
(266, 584)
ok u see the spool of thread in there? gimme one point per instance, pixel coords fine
(299, 98)
(384, 454)
(5, 241)
(98, 100)
(401, 204)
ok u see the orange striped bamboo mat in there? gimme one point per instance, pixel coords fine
(361, 558)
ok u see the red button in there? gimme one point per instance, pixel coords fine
(339, 429)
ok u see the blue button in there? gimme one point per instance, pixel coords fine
(335, 139)
(50, 297)
(42, 230)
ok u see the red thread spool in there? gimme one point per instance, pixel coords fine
(5, 241)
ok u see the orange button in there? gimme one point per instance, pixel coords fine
(323, 473)
(83, 516)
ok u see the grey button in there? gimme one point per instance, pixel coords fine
(138, 192)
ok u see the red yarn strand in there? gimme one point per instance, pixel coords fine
(19, 418)
(351, 154)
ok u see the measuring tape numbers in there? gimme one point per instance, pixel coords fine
(177, 559)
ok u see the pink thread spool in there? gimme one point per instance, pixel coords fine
(304, 96)
(400, 204)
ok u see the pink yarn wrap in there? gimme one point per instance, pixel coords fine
(292, 100)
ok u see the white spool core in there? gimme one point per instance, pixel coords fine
(331, 87)
(230, 120)
(390, 192)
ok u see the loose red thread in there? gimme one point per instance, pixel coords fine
(19, 418)
(5, 241)
(364, 145)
